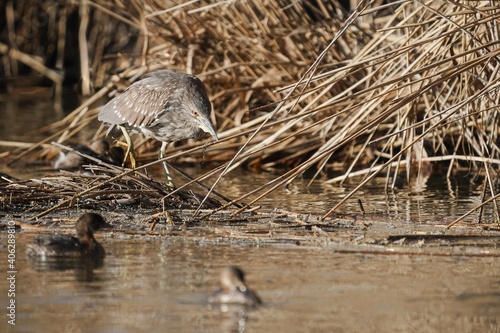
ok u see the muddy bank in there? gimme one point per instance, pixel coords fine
(357, 233)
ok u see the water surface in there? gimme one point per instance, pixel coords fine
(161, 285)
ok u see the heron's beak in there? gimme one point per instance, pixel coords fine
(206, 125)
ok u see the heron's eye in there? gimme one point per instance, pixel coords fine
(195, 113)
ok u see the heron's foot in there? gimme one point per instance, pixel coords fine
(170, 183)
(132, 159)
(130, 153)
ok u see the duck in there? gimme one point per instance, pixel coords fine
(67, 246)
(99, 149)
(233, 289)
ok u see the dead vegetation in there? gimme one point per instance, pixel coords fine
(298, 87)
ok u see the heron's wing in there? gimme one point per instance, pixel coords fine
(140, 104)
(109, 113)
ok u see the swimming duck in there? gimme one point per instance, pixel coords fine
(233, 289)
(67, 246)
(99, 149)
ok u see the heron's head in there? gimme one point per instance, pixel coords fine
(203, 122)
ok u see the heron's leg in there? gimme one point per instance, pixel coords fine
(130, 148)
(161, 154)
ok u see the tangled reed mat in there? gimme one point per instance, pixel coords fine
(140, 207)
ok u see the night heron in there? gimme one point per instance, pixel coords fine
(164, 105)
(233, 289)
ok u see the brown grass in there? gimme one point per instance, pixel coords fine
(387, 89)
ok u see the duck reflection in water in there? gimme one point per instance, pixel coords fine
(234, 290)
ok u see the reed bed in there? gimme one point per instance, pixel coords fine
(98, 185)
(296, 87)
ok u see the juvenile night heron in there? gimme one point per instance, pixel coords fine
(165, 105)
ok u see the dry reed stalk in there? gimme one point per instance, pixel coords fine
(413, 81)
(83, 47)
(29, 60)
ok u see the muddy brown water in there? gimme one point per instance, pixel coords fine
(333, 280)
